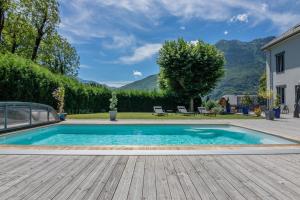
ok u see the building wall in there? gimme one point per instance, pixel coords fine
(291, 76)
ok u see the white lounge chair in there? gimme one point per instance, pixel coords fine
(159, 111)
(182, 110)
(202, 110)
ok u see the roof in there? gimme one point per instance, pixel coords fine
(293, 31)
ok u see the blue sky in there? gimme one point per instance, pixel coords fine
(118, 40)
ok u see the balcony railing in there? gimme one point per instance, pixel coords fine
(14, 115)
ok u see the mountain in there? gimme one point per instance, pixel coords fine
(94, 83)
(148, 83)
(245, 63)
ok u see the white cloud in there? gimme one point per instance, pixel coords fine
(240, 18)
(226, 32)
(182, 28)
(111, 19)
(83, 66)
(119, 42)
(137, 73)
(141, 53)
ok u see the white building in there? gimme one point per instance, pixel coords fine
(283, 66)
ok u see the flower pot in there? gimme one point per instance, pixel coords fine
(228, 109)
(270, 114)
(113, 115)
(277, 112)
(62, 116)
(246, 110)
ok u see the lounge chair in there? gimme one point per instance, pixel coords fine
(182, 110)
(202, 110)
(159, 111)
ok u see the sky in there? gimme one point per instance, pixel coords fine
(118, 40)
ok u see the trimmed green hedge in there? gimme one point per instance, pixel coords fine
(23, 80)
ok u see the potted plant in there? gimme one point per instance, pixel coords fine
(257, 111)
(267, 95)
(246, 102)
(113, 107)
(276, 107)
(59, 96)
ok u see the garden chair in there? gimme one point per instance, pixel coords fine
(159, 111)
(202, 110)
(182, 110)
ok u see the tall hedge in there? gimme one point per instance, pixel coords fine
(23, 80)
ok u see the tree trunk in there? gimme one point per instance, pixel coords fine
(39, 38)
(14, 44)
(2, 18)
(36, 46)
(192, 104)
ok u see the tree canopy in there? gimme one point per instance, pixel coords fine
(189, 70)
(28, 29)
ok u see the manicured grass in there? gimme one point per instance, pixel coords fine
(138, 115)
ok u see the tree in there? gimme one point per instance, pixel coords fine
(44, 16)
(262, 83)
(4, 5)
(189, 70)
(17, 32)
(59, 56)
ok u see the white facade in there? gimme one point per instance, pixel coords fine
(289, 46)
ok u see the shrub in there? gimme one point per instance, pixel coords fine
(59, 95)
(113, 102)
(218, 109)
(210, 104)
(246, 100)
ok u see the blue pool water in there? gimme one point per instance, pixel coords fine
(90, 135)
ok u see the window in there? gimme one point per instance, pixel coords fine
(280, 62)
(281, 94)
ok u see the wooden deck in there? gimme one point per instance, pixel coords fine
(150, 177)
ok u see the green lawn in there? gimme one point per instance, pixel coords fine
(138, 115)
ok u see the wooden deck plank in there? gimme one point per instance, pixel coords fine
(257, 178)
(176, 189)
(74, 183)
(210, 162)
(149, 187)
(235, 172)
(113, 181)
(162, 186)
(186, 183)
(213, 177)
(22, 181)
(101, 180)
(32, 181)
(85, 185)
(136, 187)
(277, 169)
(67, 178)
(197, 180)
(278, 182)
(216, 189)
(209, 165)
(51, 179)
(122, 190)
(15, 173)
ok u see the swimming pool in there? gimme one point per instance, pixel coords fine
(97, 135)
